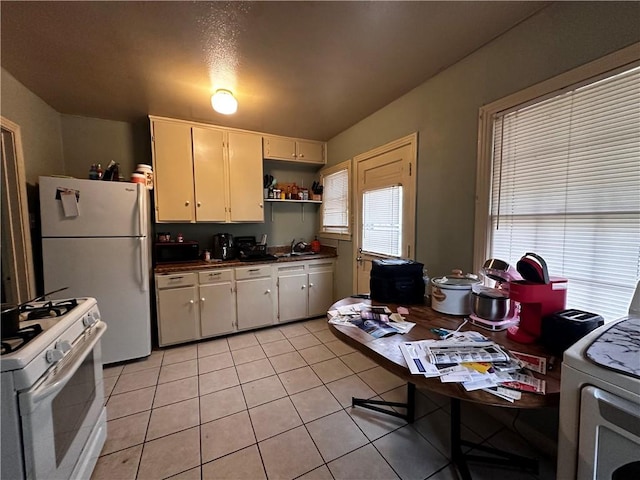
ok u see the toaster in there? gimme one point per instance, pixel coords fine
(564, 328)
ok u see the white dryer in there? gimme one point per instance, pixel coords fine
(599, 433)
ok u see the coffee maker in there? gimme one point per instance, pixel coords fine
(538, 294)
(223, 247)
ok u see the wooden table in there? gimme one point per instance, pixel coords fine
(385, 352)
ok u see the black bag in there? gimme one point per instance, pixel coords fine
(396, 281)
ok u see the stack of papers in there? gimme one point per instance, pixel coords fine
(377, 321)
(474, 361)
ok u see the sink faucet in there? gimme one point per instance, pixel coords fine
(293, 242)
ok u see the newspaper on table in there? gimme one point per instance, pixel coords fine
(472, 360)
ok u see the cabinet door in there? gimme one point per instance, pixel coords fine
(254, 301)
(279, 148)
(178, 315)
(173, 170)
(245, 177)
(292, 297)
(320, 291)
(209, 174)
(217, 309)
(312, 152)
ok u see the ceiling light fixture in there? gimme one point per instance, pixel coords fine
(224, 102)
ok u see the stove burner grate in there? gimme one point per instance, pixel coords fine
(49, 309)
(19, 339)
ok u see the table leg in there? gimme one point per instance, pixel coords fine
(500, 458)
(410, 406)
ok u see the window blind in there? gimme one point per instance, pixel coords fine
(382, 221)
(566, 185)
(335, 208)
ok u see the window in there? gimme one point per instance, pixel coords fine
(382, 221)
(336, 211)
(564, 177)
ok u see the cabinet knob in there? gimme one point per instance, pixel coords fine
(261, 206)
(186, 204)
(191, 302)
(310, 285)
(303, 287)
(301, 155)
(268, 291)
(202, 299)
(293, 155)
(199, 204)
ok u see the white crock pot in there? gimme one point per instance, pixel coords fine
(451, 294)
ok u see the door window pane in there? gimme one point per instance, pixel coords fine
(382, 221)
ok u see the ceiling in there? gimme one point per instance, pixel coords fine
(303, 69)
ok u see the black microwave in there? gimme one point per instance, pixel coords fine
(177, 252)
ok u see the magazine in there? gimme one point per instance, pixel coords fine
(375, 328)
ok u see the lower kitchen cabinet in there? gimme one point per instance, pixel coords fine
(217, 302)
(320, 287)
(254, 297)
(305, 289)
(178, 313)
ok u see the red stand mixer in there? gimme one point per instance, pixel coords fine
(532, 293)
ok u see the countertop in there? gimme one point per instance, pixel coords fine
(167, 268)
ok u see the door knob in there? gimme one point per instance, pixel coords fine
(358, 258)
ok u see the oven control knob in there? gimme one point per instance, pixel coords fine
(54, 355)
(64, 346)
(90, 319)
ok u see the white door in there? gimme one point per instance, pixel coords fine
(104, 209)
(387, 171)
(114, 271)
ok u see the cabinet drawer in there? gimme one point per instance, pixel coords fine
(176, 280)
(320, 266)
(215, 276)
(291, 268)
(252, 272)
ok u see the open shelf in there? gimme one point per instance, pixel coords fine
(278, 200)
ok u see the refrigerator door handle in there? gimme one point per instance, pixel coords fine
(143, 264)
(141, 207)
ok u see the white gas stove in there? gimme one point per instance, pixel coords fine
(53, 414)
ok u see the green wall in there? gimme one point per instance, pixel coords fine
(444, 112)
(40, 128)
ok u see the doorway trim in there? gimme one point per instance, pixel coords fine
(410, 140)
(16, 231)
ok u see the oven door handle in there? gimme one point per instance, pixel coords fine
(32, 398)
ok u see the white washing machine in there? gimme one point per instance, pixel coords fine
(599, 432)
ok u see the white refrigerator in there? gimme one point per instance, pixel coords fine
(95, 240)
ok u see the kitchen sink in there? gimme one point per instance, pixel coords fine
(294, 254)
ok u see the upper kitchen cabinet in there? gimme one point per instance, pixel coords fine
(209, 174)
(172, 159)
(293, 150)
(206, 174)
(245, 177)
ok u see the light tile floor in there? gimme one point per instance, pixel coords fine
(275, 403)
